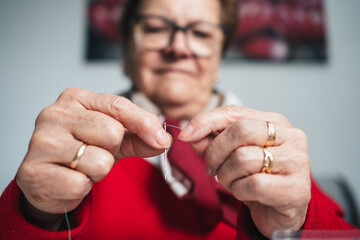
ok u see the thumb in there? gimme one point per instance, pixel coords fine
(132, 145)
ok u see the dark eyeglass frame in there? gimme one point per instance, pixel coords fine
(175, 27)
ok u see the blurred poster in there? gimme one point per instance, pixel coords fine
(280, 30)
(268, 30)
(103, 39)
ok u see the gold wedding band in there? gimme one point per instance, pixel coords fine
(268, 161)
(271, 135)
(79, 154)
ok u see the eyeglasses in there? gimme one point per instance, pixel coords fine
(153, 32)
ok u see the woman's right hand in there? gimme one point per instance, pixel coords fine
(113, 128)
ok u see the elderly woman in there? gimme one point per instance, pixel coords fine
(230, 172)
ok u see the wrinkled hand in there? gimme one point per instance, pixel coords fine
(113, 128)
(231, 139)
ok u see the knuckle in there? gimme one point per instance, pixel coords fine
(301, 134)
(300, 138)
(300, 190)
(46, 115)
(150, 121)
(242, 154)
(42, 141)
(304, 159)
(233, 108)
(70, 93)
(237, 159)
(79, 187)
(232, 112)
(256, 184)
(291, 214)
(297, 158)
(54, 114)
(302, 194)
(114, 134)
(26, 174)
(103, 166)
(233, 162)
(235, 189)
(243, 189)
(280, 118)
(118, 104)
(242, 128)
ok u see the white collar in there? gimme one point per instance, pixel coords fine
(216, 100)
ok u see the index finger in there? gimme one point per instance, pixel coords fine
(144, 124)
(220, 118)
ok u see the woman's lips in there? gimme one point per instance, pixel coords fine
(174, 70)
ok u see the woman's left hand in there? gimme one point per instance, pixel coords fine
(232, 140)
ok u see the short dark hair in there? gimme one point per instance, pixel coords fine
(228, 20)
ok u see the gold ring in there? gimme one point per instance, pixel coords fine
(271, 135)
(79, 154)
(268, 161)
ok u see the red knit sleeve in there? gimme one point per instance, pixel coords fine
(14, 226)
(323, 213)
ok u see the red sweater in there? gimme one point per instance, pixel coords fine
(134, 202)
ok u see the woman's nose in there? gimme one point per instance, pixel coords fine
(179, 47)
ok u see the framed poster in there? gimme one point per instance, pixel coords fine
(280, 30)
(268, 30)
(102, 35)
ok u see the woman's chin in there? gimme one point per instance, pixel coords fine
(176, 94)
(175, 100)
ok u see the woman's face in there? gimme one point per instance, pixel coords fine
(175, 79)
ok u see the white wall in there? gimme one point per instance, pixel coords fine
(41, 53)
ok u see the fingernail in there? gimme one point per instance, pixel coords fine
(208, 171)
(163, 138)
(186, 132)
(171, 139)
